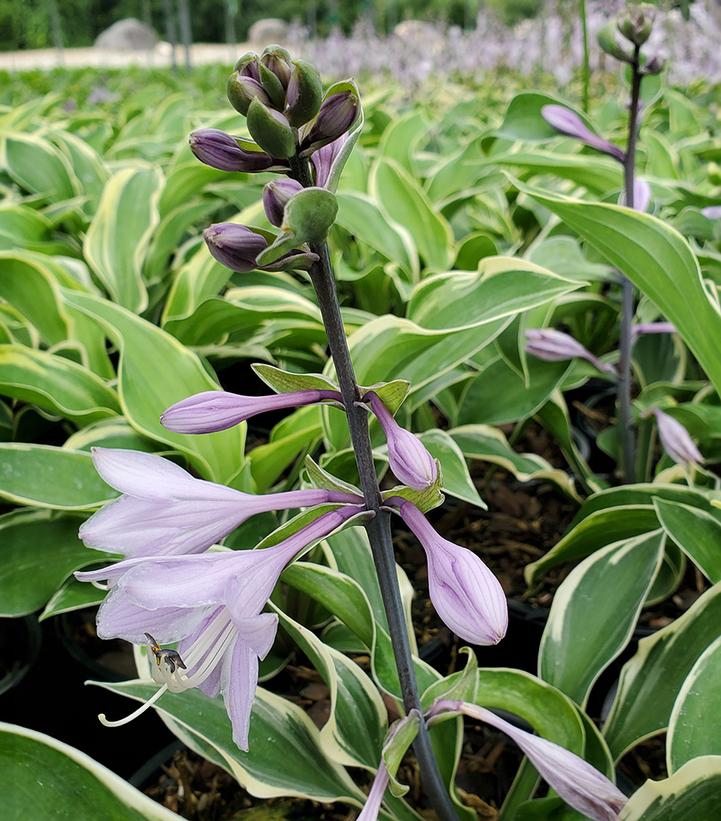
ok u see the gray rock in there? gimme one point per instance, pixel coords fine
(268, 31)
(127, 34)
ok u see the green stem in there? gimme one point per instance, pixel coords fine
(586, 68)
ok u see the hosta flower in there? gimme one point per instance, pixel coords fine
(676, 441)
(237, 247)
(569, 123)
(164, 510)
(372, 807)
(712, 212)
(222, 151)
(408, 457)
(324, 158)
(641, 195)
(579, 784)
(337, 114)
(467, 596)
(212, 411)
(555, 346)
(653, 328)
(209, 605)
(275, 197)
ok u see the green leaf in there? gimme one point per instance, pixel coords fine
(41, 777)
(73, 595)
(404, 201)
(55, 384)
(400, 737)
(149, 384)
(129, 203)
(456, 480)
(594, 613)
(652, 679)
(38, 167)
(523, 120)
(696, 532)
(657, 259)
(38, 553)
(286, 755)
(691, 794)
(46, 476)
(690, 733)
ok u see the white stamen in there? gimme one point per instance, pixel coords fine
(143, 707)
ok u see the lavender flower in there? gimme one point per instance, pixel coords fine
(372, 807)
(712, 212)
(641, 195)
(676, 441)
(324, 159)
(211, 605)
(569, 123)
(237, 247)
(579, 784)
(337, 114)
(166, 511)
(408, 457)
(467, 596)
(275, 197)
(212, 411)
(224, 152)
(653, 328)
(555, 346)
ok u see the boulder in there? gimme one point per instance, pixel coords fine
(127, 34)
(267, 31)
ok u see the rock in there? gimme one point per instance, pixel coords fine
(127, 34)
(267, 31)
(410, 30)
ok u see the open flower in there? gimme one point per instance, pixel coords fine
(210, 605)
(579, 784)
(468, 597)
(408, 457)
(676, 441)
(164, 510)
(211, 411)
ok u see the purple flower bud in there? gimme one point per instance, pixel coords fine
(277, 60)
(247, 66)
(219, 150)
(555, 346)
(653, 328)
(234, 246)
(337, 114)
(467, 596)
(275, 196)
(324, 159)
(675, 440)
(641, 195)
(408, 457)
(243, 90)
(211, 411)
(712, 212)
(578, 783)
(569, 123)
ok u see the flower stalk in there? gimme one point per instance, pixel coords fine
(379, 531)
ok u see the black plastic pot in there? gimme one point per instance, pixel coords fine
(20, 642)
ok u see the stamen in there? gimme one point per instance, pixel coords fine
(143, 707)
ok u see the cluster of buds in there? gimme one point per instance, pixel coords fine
(296, 131)
(634, 27)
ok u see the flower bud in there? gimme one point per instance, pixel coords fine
(275, 196)
(224, 152)
(712, 212)
(608, 41)
(641, 195)
(234, 246)
(270, 130)
(653, 328)
(277, 60)
(653, 66)
(676, 441)
(408, 457)
(551, 345)
(569, 123)
(248, 65)
(337, 113)
(304, 94)
(636, 24)
(242, 90)
(324, 159)
(272, 87)
(468, 597)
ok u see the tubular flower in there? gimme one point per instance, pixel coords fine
(237, 247)
(324, 159)
(653, 328)
(408, 457)
(275, 197)
(676, 441)
(468, 597)
(211, 606)
(212, 411)
(555, 346)
(579, 784)
(166, 511)
(569, 123)
(224, 152)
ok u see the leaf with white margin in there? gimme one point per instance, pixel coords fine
(692, 732)
(651, 680)
(594, 612)
(691, 794)
(41, 777)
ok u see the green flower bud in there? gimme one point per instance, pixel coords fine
(304, 94)
(608, 41)
(248, 65)
(242, 90)
(272, 87)
(637, 23)
(277, 60)
(270, 130)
